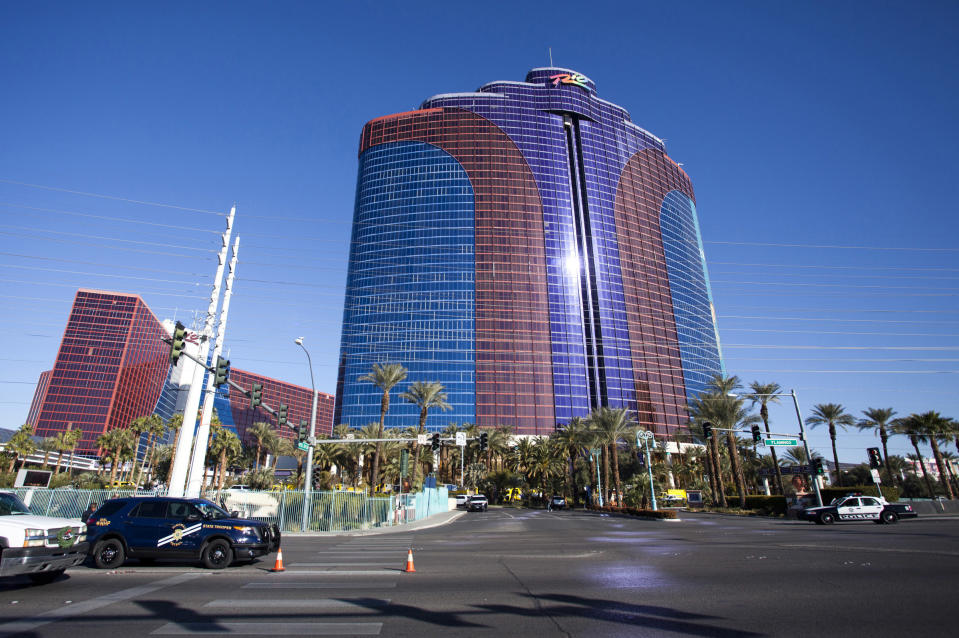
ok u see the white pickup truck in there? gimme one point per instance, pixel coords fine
(42, 547)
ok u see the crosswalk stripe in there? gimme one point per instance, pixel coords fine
(270, 629)
(291, 585)
(312, 603)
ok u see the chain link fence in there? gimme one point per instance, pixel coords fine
(335, 511)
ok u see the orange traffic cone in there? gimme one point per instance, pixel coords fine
(278, 567)
(409, 562)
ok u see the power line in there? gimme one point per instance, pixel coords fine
(93, 274)
(94, 263)
(112, 197)
(125, 220)
(141, 294)
(821, 246)
(820, 266)
(125, 249)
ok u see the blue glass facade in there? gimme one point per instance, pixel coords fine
(410, 289)
(614, 336)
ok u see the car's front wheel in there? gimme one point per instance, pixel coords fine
(217, 554)
(109, 554)
(888, 517)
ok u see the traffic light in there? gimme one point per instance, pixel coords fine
(707, 430)
(178, 343)
(875, 460)
(404, 463)
(317, 476)
(221, 372)
(757, 437)
(484, 441)
(301, 432)
(256, 395)
(281, 416)
(435, 443)
(817, 467)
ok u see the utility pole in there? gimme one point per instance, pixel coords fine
(198, 463)
(181, 456)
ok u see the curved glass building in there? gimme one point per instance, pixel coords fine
(534, 251)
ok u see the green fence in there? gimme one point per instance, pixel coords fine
(335, 511)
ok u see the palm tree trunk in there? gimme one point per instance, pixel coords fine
(717, 467)
(375, 473)
(606, 490)
(46, 454)
(835, 455)
(922, 466)
(59, 460)
(219, 485)
(256, 463)
(145, 456)
(885, 455)
(113, 466)
(943, 477)
(736, 468)
(614, 450)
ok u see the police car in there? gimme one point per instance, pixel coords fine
(851, 508)
(183, 528)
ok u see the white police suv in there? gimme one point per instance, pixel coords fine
(850, 508)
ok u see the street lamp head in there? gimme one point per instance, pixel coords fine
(298, 341)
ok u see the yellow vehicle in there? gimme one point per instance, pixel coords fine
(513, 494)
(123, 485)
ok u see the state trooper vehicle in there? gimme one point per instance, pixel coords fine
(181, 528)
(851, 508)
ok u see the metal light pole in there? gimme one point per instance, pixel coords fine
(308, 483)
(802, 435)
(645, 436)
(599, 483)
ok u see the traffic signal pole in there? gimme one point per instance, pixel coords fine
(181, 456)
(198, 462)
(802, 433)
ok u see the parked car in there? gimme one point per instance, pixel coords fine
(477, 503)
(461, 500)
(41, 547)
(557, 503)
(181, 528)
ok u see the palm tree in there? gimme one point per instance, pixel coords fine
(66, 441)
(933, 427)
(764, 394)
(20, 444)
(572, 438)
(118, 441)
(832, 415)
(611, 426)
(879, 419)
(226, 446)
(426, 396)
(384, 377)
(910, 427)
(261, 433)
(154, 430)
(48, 445)
(138, 426)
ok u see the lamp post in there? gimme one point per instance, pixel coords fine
(599, 484)
(645, 436)
(802, 434)
(308, 483)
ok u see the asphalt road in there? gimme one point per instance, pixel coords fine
(533, 573)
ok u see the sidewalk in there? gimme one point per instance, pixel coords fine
(435, 520)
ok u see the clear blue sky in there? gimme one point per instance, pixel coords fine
(820, 138)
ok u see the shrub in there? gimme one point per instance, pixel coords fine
(63, 479)
(767, 505)
(891, 494)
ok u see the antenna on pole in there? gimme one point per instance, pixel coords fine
(550, 56)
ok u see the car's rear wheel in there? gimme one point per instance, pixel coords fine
(826, 518)
(888, 517)
(109, 554)
(42, 578)
(217, 554)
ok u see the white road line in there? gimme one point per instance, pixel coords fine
(270, 629)
(344, 562)
(292, 585)
(82, 607)
(344, 572)
(312, 603)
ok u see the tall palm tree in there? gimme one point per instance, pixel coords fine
(138, 427)
(611, 426)
(879, 420)
(385, 377)
(118, 441)
(764, 394)
(261, 432)
(227, 447)
(832, 415)
(20, 444)
(572, 439)
(933, 427)
(154, 430)
(910, 427)
(66, 441)
(425, 395)
(48, 445)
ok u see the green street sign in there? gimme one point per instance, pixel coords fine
(303, 445)
(789, 442)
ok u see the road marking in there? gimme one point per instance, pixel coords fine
(344, 572)
(270, 629)
(891, 550)
(312, 603)
(381, 562)
(288, 585)
(75, 609)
